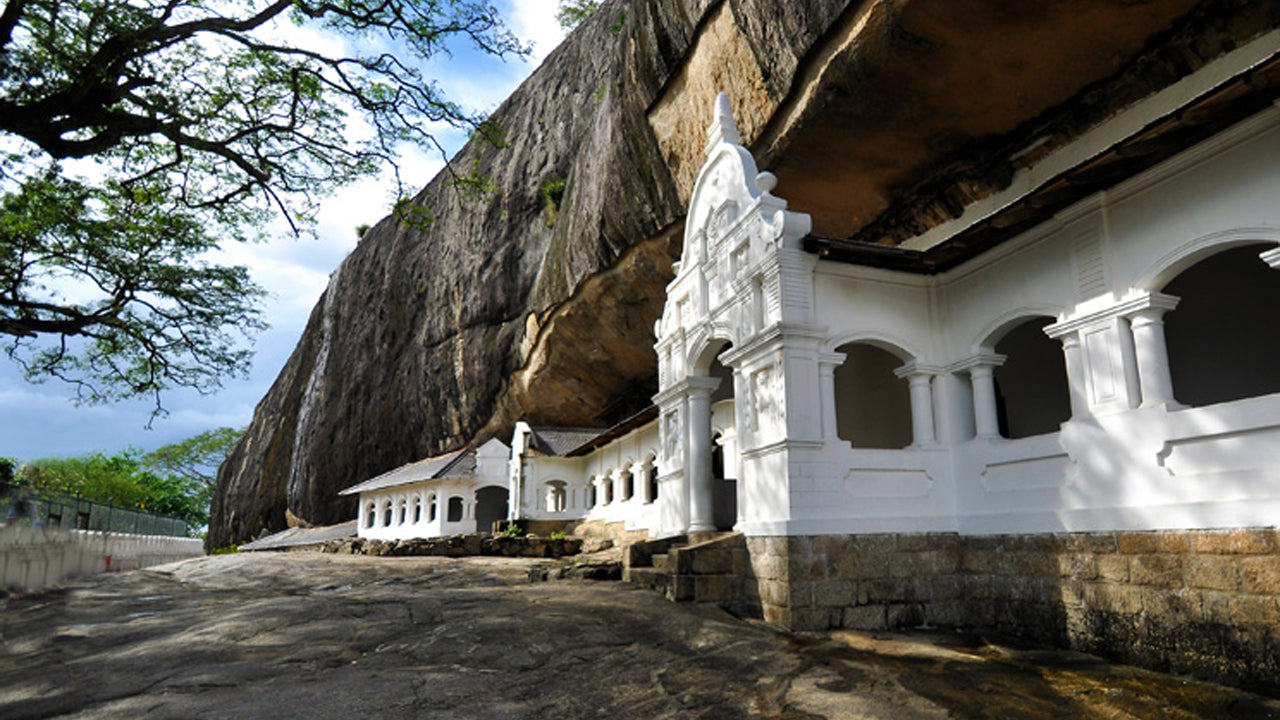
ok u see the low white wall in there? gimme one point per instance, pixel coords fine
(33, 558)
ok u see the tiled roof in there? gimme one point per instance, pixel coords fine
(561, 441)
(459, 463)
(601, 439)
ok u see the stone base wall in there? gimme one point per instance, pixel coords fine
(1201, 602)
(616, 531)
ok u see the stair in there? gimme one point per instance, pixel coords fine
(709, 571)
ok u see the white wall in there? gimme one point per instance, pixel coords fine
(34, 558)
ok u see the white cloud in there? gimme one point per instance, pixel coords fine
(535, 21)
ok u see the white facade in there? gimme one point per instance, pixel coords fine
(615, 482)
(457, 493)
(1113, 368)
(870, 400)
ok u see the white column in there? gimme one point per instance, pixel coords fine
(981, 377)
(600, 495)
(1073, 355)
(1152, 356)
(920, 381)
(698, 426)
(827, 364)
(618, 486)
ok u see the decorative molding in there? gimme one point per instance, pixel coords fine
(1130, 305)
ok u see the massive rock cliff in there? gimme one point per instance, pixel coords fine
(534, 297)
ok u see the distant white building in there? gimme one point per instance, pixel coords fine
(464, 491)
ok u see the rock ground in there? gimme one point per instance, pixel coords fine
(285, 635)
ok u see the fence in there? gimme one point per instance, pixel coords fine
(64, 511)
(34, 557)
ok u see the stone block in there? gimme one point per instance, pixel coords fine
(775, 592)
(1260, 575)
(978, 561)
(1159, 570)
(1259, 610)
(945, 587)
(912, 542)
(1233, 542)
(904, 615)
(1072, 593)
(851, 565)
(950, 613)
(1173, 541)
(681, 587)
(1114, 568)
(776, 615)
(770, 567)
(1215, 606)
(866, 617)
(1078, 566)
(833, 593)
(712, 561)
(1116, 599)
(905, 565)
(1137, 543)
(814, 618)
(1092, 543)
(1211, 572)
(717, 588)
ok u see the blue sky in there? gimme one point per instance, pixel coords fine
(42, 420)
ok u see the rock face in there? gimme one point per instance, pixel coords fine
(426, 340)
(534, 296)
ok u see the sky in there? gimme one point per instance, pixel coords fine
(43, 420)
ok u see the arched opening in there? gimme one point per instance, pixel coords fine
(491, 507)
(556, 496)
(1032, 395)
(724, 493)
(873, 405)
(370, 515)
(628, 485)
(417, 509)
(608, 490)
(386, 513)
(431, 507)
(402, 511)
(591, 492)
(1223, 339)
(454, 510)
(649, 479)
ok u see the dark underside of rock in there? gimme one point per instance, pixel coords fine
(536, 301)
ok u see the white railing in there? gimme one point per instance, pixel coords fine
(32, 558)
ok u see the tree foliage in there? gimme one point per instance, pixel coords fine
(201, 120)
(571, 13)
(176, 480)
(197, 458)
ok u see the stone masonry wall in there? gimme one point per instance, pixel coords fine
(1201, 602)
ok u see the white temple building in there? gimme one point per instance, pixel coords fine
(464, 491)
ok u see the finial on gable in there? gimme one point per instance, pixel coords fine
(723, 127)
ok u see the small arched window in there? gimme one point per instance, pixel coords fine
(455, 509)
(386, 513)
(417, 509)
(370, 515)
(402, 513)
(431, 508)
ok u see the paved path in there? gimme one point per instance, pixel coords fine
(305, 635)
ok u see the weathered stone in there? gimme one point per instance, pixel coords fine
(1233, 542)
(1161, 570)
(1212, 572)
(1260, 575)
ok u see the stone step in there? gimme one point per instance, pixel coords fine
(659, 561)
(648, 578)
